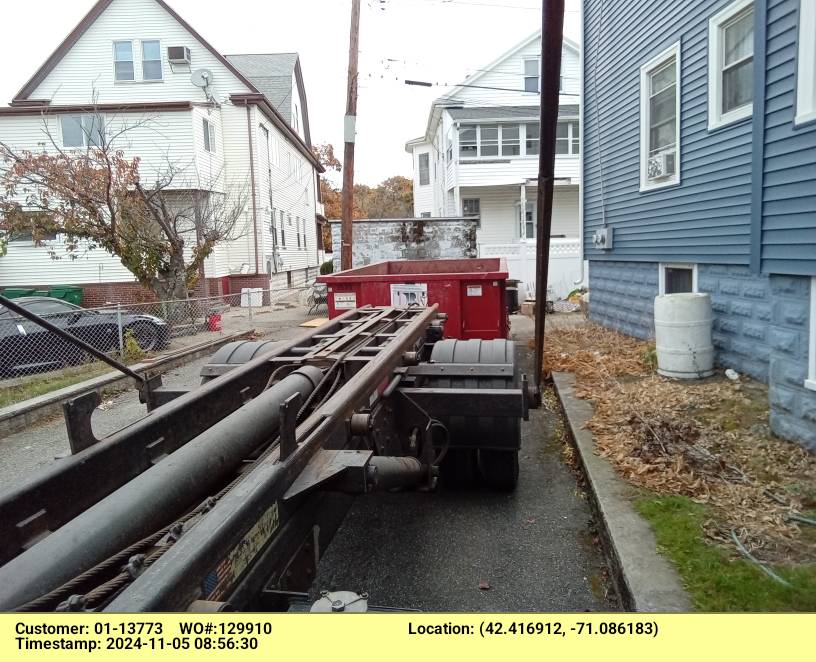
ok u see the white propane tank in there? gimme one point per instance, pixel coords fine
(683, 335)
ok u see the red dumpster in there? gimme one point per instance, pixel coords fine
(470, 291)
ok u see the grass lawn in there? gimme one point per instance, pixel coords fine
(716, 580)
(51, 381)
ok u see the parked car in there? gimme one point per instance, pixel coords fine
(26, 347)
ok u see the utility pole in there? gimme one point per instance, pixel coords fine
(350, 125)
(552, 38)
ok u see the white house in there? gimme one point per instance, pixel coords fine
(479, 156)
(229, 125)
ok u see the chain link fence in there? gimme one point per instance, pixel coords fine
(131, 332)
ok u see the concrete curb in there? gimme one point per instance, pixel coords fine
(646, 582)
(23, 414)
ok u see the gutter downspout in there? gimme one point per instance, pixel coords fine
(252, 179)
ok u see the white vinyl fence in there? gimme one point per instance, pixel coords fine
(565, 265)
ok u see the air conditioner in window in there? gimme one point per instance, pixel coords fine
(178, 55)
(662, 165)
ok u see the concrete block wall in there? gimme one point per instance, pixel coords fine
(760, 328)
(621, 296)
(793, 407)
(742, 304)
(377, 240)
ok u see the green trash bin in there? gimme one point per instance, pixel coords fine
(69, 293)
(16, 292)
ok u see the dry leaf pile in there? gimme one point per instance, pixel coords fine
(705, 439)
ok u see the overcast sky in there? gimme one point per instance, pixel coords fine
(439, 41)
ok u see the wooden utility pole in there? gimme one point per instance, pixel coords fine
(346, 232)
(552, 38)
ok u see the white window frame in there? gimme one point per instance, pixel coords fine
(142, 61)
(571, 123)
(646, 70)
(676, 265)
(525, 76)
(716, 118)
(116, 79)
(522, 221)
(806, 64)
(86, 134)
(810, 382)
(478, 204)
(427, 155)
(208, 135)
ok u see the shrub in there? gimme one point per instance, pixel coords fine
(327, 268)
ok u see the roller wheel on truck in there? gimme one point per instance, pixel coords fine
(234, 354)
(482, 450)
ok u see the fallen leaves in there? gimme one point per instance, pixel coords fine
(705, 439)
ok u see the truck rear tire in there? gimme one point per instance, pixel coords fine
(499, 469)
(473, 457)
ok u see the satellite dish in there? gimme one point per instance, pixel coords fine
(202, 78)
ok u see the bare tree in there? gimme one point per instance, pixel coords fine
(162, 230)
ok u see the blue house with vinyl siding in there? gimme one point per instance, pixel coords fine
(699, 172)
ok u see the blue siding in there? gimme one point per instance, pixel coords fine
(707, 217)
(788, 169)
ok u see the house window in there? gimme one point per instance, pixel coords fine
(531, 75)
(527, 225)
(731, 64)
(297, 230)
(209, 135)
(82, 130)
(471, 207)
(806, 63)
(489, 140)
(468, 143)
(273, 230)
(531, 142)
(424, 169)
(123, 60)
(810, 382)
(265, 145)
(567, 139)
(677, 278)
(510, 140)
(449, 152)
(659, 120)
(282, 230)
(151, 60)
(425, 214)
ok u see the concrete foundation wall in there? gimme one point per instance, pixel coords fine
(760, 328)
(377, 240)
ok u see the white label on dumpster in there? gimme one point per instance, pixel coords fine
(474, 290)
(404, 295)
(345, 300)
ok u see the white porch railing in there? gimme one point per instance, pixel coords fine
(565, 264)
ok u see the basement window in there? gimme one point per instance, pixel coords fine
(677, 278)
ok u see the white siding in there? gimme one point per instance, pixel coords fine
(157, 138)
(423, 194)
(28, 265)
(499, 206)
(513, 171)
(509, 74)
(88, 66)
